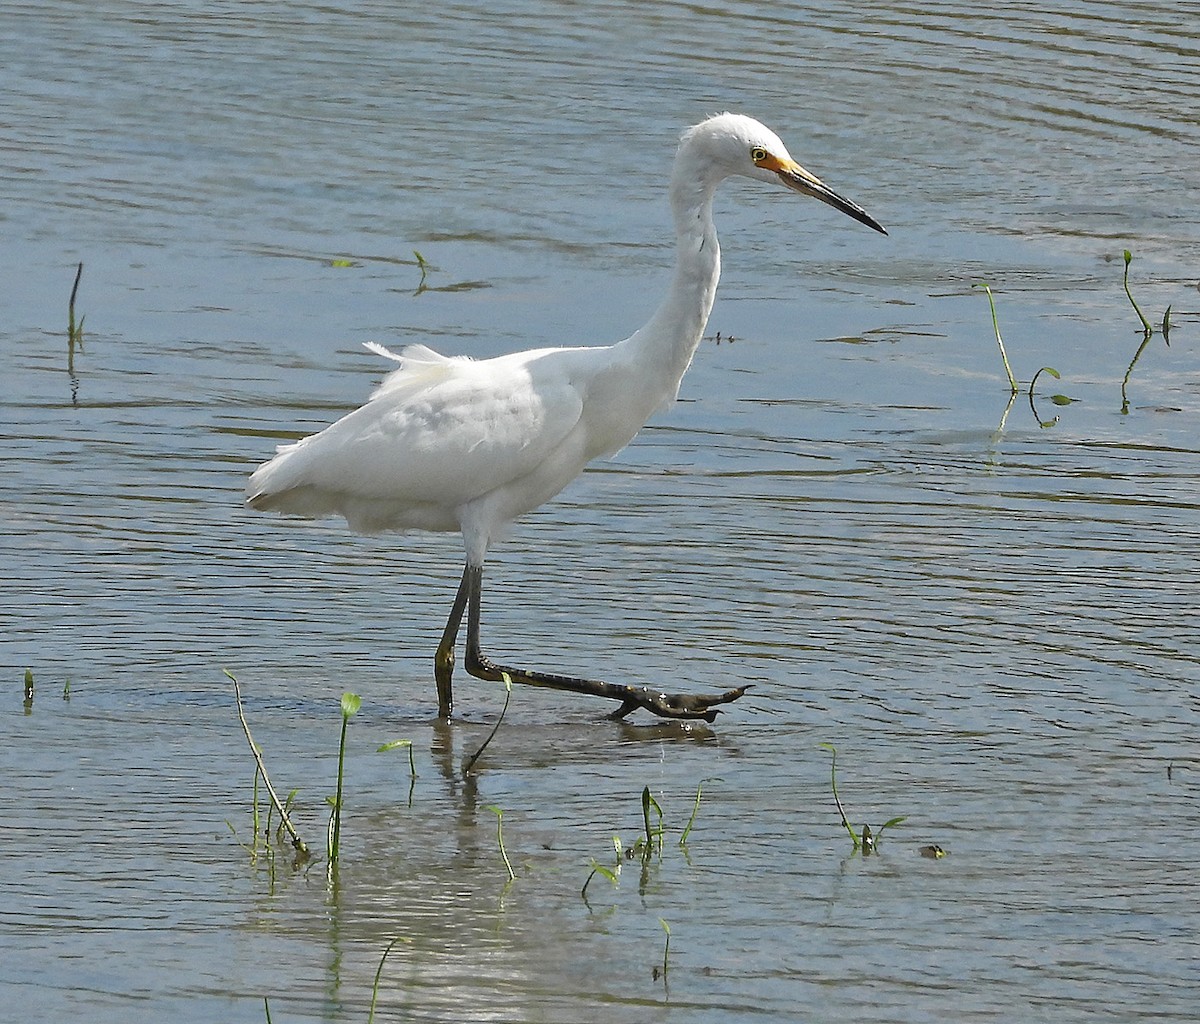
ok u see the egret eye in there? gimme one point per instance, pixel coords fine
(758, 154)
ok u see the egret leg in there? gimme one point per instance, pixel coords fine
(443, 662)
(666, 705)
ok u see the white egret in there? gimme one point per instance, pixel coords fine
(469, 445)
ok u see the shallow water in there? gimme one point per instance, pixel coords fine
(991, 618)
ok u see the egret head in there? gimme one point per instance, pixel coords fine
(732, 144)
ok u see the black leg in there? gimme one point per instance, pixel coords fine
(443, 662)
(666, 705)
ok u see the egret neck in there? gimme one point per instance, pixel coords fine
(663, 349)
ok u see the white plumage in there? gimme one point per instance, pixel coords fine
(451, 443)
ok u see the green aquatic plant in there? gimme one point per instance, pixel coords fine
(350, 704)
(500, 839)
(374, 986)
(651, 840)
(655, 836)
(1056, 399)
(74, 330)
(599, 869)
(469, 763)
(1012, 381)
(613, 874)
(397, 744)
(1014, 387)
(1147, 334)
(1146, 325)
(287, 808)
(687, 831)
(379, 974)
(412, 764)
(254, 818)
(867, 840)
(423, 267)
(74, 336)
(666, 946)
(298, 844)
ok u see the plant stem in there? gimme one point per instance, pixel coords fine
(1033, 408)
(597, 869)
(379, 973)
(469, 763)
(1012, 381)
(74, 331)
(337, 800)
(1141, 316)
(500, 839)
(687, 831)
(648, 801)
(254, 814)
(833, 785)
(423, 266)
(297, 842)
(350, 704)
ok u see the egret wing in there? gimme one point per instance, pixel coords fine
(437, 433)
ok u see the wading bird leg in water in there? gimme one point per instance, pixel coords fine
(470, 590)
(443, 662)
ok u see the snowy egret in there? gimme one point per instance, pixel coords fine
(459, 444)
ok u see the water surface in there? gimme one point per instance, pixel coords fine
(987, 610)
